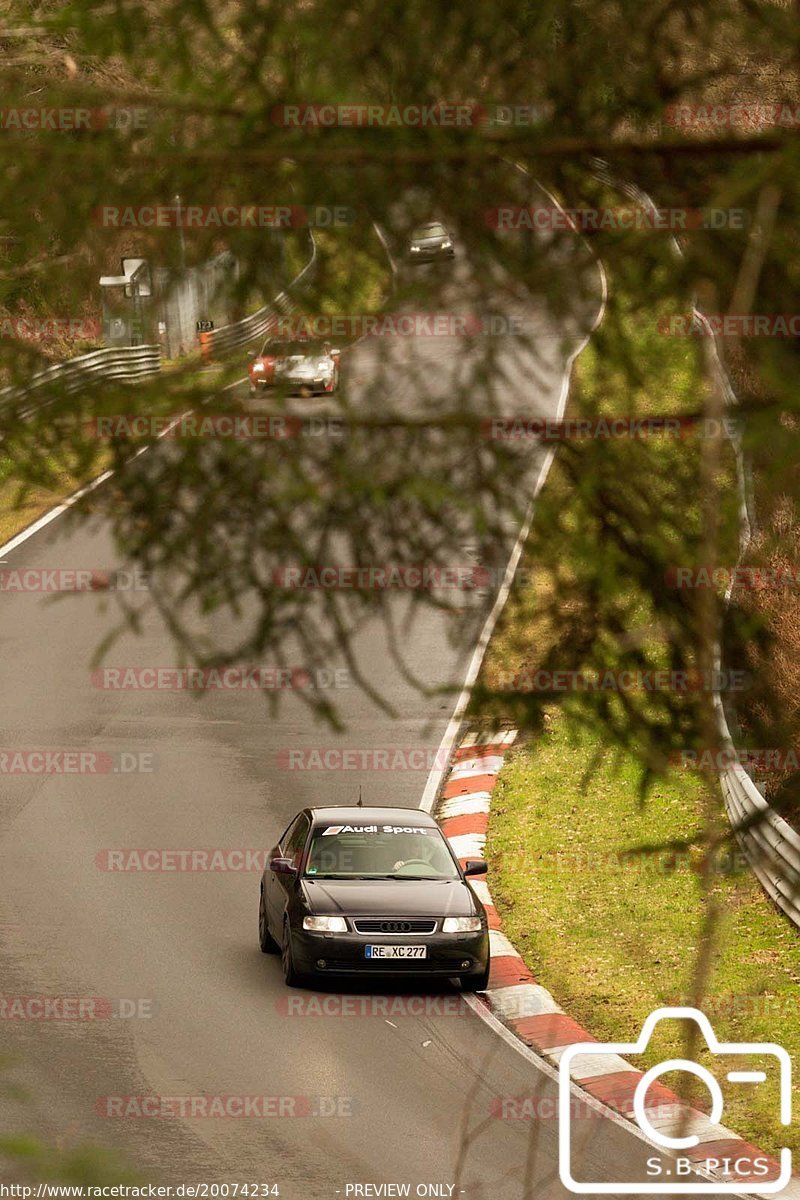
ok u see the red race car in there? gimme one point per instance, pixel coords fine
(305, 366)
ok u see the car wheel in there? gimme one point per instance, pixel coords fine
(265, 939)
(475, 983)
(292, 978)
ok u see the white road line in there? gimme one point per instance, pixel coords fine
(447, 743)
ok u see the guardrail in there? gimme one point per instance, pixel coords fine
(124, 363)
(219, 342)
(127, 364)
(771, 845)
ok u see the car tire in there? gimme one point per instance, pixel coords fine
(291, 977)
(265, 939)
(475, 983)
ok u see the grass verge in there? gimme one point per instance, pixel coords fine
(614, 935)
(18, 511)
(615, 931)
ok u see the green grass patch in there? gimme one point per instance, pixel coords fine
(614, 937)
(18, 511)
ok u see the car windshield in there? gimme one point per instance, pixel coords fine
(429, 231)
(379, 852)
(305, 346)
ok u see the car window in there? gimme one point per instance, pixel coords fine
(287, 833)
(293, 848)
(375, 852)
(307, 347)
(426, 231)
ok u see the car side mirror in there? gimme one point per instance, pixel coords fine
(282, 866)
(475, 866)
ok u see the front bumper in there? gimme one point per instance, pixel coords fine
(293, 383)
(318, 387)
(429, 256)
(345, 954)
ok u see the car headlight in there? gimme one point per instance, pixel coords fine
(415, 249)
(461, 925)
(258, 367)
(446, 245)
(325, 924)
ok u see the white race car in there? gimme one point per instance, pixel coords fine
(302, 365)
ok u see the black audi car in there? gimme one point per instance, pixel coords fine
(371, 892)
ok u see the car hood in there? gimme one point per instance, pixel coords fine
(302, 366)
(391, 897)
(430, 242)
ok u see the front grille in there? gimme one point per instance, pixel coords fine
(395, 925)
(393, 966)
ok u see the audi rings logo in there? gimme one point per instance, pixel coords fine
(395, 927)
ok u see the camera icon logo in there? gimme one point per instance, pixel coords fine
(679, 1139)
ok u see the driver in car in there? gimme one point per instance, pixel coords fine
(422, 850)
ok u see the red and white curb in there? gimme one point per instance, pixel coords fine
(529, 1011)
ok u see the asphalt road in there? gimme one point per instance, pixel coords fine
(402, 1096)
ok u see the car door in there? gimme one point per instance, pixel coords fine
(290, 846)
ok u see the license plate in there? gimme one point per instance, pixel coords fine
(396, 951)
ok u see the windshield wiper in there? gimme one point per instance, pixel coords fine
(411, 878)
(414, 878)
(326, 875)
